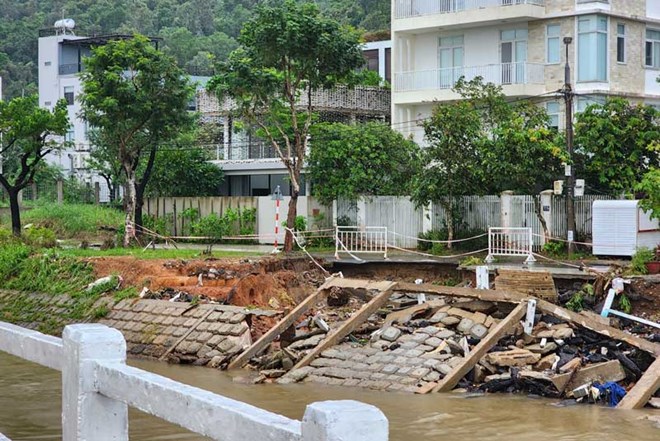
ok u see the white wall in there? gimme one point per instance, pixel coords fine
(266, 217)
(653, 9)
(482, 46)
(426, 52)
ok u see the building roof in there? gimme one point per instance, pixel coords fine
(100, 40)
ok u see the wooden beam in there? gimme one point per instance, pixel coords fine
(639, 395)
(596, 326)
(454, 291)
(279, 328)
(358, 284)
(511, 320)
(349, 325)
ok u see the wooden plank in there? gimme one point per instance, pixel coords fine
(531, 283)
(279, 328)
(349, 325)
(639, 395)
(359, 284)
(452, 379)
(596, 326)
(454, 291)
(603, 372)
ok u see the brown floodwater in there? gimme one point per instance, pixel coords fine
(30, 409)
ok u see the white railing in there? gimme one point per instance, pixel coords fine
(510, 242)
(98, 387)
(355, 239)
(417, 8)
(446, 78)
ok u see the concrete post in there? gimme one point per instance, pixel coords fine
(427, 218)
(482, 277)
(334, 213)
(361, 213)
(505, 208)
(60, 191)
(86, 414)
(546, 211)
(344, 420)
(97, 193)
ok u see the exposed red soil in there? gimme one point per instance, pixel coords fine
(266, 283)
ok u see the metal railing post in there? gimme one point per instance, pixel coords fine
(344, 420)
(337, 242)
(86, 414)
(385, 256)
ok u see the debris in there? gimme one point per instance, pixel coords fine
(391, 334)
(604, 372)
(513, 357)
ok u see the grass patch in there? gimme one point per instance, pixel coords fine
(73, 220)
(154, 254)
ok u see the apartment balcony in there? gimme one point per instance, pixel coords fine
(252, 155)
(422, 15)
(517, 79)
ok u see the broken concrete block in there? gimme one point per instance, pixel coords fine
(465, 325)
(563, 333)
(455, 347)
(479, 317)
(433, 341)
(431, 376)
(603, 372)
(514, 357)
(445, 334)
(571, 365)
(444, 368)
(538, 349)
(478, 331)
(450, 321)
(430, 330)
(438, 316)
(546, 362)
(391, 334)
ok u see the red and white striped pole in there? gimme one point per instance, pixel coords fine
(278, 197)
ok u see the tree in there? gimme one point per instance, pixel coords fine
(27, 134)
(452, 160)
(649, 189)
(136, 97)
(616, 140)
(287, 51)
(363, 159)
(103, 160)
(184, 172)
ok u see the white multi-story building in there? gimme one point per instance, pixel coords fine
(519, 44)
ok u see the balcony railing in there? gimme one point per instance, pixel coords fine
(502, 74)
(418, 8)
(252, 150)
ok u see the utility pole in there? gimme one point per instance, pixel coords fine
(569, 172)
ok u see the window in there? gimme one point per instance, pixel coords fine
(450, 60)
(652, 48)
(47, 63)
(620, 43)
(70, 135)
(552, 108)
(584, 102)
(552, 46)
(68, 95)
(592, 48)
(371, 57)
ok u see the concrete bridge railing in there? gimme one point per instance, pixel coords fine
(98, 387)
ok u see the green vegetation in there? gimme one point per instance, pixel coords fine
(287, 50)
(74, 220)
(554, 248)
(640, 259)
(460, 232)
(195, 32)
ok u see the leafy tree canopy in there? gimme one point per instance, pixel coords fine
(364, 159)
(618, 141)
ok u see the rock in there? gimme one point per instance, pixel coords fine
(273, 373)
(563, 333)
(479, 373)
(431, 376)
(479, 317)
(430, 330)
(537, 349)
(391, 334)
(654, 402)
(419, 372)
(514, 357)
(311, 342)
(445, 334)
(216, 361)
(300, 374)
(465, 325)
(455, 347)
(450, 321)
(478, 331)
(547, 362)
(443, 368)
(454, 362)
(438, 316)
(571, 365)
(433, 341)
(287, 363)
(498, 377)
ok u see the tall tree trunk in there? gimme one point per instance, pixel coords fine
(141, 186)
(291, 220)
(130, 207)
(539, 215)
(15, 211)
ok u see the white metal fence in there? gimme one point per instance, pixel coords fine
(98, 387)
(354, 239)
(510, 242)
(446, 78)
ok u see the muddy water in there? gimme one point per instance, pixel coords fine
(30, 410)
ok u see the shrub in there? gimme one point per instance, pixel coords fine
(442, 235)
(11, 257)
(640, 259)
(70, 220)
(40, 237)
(212, 226)
(554, 248)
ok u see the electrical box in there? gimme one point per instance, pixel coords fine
(620, 228)
(558, 187)
(579, 187)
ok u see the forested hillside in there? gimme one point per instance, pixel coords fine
(193, 30)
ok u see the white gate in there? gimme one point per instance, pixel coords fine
(510, 242)
(353, 239)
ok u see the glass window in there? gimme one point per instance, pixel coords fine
(552, 108)
(70, 135)
(620, 43)
(553, 47)
(584, 102)
(592, 48)
(68, 95)
(652, 53)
